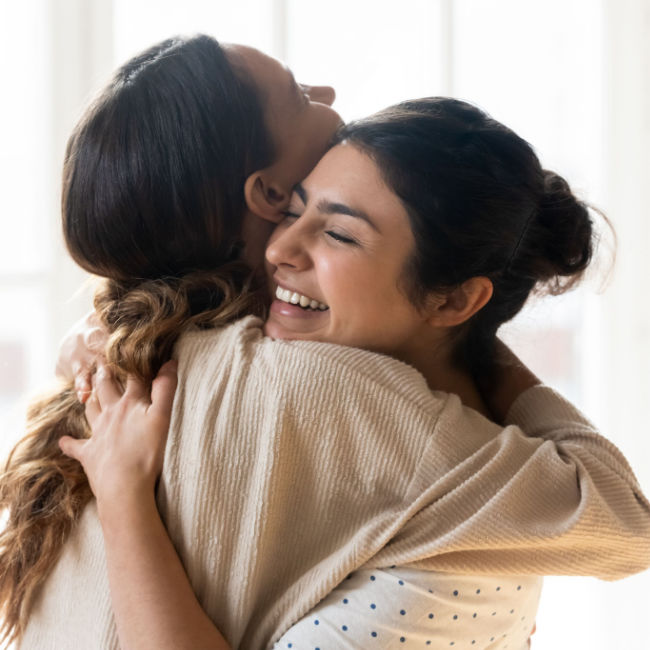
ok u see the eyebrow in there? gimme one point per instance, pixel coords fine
(333, 207)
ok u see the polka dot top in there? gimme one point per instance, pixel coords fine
(410, 608)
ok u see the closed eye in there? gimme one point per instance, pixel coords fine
(341, 238)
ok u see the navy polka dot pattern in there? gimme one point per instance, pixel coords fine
(402, 607)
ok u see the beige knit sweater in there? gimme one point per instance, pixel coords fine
(290, 464)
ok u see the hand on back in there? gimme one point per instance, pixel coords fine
(123, 458)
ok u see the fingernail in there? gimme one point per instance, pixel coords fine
(82, 395)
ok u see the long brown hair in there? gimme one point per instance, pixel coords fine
(153, 202)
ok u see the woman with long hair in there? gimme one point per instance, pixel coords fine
(291, 464)
(170, 185)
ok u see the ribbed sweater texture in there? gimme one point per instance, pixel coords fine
(290, 464)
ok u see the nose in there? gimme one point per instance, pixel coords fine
(287, 247)
(321, 94)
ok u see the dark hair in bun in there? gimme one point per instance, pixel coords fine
(561, 243)
(480, 204)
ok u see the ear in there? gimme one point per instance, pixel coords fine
(264, 197)
(461, 304)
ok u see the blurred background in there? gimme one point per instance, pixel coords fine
(570, 76)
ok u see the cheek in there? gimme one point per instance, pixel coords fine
(357, 287)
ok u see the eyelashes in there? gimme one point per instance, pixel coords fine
(340, 238)
(332, 234)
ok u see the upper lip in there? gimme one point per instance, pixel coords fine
(284, 285)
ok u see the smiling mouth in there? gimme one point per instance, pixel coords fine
(293, 298)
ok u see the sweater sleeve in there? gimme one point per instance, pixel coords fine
(554, 499)
(541, 412)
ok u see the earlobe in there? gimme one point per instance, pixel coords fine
(264, 198)
(462, 303)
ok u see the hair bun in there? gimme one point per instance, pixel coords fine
(566, 235)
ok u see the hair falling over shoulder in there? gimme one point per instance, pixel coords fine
(43, 491)
(152, 201)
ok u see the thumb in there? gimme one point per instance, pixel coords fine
(72, 446)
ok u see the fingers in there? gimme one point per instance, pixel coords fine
(95, 338)
(83, 385)
(72, 447)
(106, 389)
(80, 348)
(93, 409)
(136, 389)
(163, 389)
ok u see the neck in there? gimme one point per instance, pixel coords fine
(443, 375)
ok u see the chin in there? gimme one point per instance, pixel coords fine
(267, 331)
(271, 330)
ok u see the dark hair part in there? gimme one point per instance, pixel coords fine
(153, 201)
(479, 204)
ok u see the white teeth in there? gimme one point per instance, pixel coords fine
(282, 294)
(295, 298)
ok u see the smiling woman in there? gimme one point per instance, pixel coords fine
(430, 167)
(490, 225)
(293, 464)
(346, 242)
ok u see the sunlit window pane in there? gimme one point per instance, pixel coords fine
(24, 131)
(140, 23)
(374, 54)
(24, 357)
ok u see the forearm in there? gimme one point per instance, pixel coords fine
(153, 602)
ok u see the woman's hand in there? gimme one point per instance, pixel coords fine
(152, 598)
(124, 456)
(80, 351)
(512, 377)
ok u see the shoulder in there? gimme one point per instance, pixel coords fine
(352, 371)
(197, 342)
(296, 366)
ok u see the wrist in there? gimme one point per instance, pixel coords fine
(125, 506)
